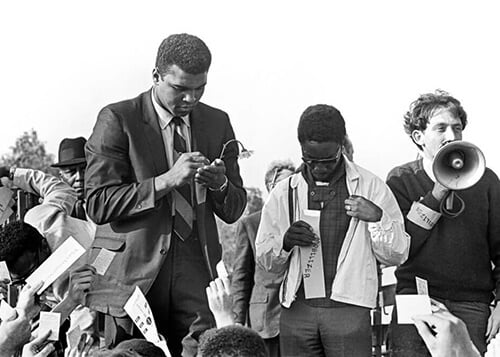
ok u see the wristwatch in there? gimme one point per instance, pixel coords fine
(222, 187)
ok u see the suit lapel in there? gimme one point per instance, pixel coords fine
(152, 135)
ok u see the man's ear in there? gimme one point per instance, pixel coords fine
(418, 137)
(156, 76)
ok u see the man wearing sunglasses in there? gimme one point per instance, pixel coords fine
(358, 224)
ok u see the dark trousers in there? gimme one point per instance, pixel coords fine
(316, 331)
(405, 340)
(272, 346)
(178, 301)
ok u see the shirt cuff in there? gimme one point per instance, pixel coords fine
(423, 216)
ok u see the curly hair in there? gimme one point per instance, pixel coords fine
(188, 52)
(16, 238)
(275, 167)
(426, 106)
(231, 341)
(321, 123)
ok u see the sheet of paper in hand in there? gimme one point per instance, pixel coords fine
(56, 264)
(412, 305)
(49, 321)
(311, 260)
(137, 307)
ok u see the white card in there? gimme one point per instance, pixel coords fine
(422, 288)
(49, 321)
(221, 270)
(56, 264)
(4, 272)
(311, 259)
(7, 312)
(103, 261)
(137, 307)
(412, 305)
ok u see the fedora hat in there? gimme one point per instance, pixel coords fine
(71, 152)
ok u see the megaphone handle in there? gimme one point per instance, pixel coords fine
(449, 200)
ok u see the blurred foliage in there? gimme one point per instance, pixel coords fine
(29, 152)
(227, 232)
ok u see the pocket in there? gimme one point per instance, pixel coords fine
(115, 244)
(259, 297)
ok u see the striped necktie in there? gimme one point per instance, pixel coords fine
(183, 219)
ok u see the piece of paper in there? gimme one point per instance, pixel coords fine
(103, 261)
(137, 307)
(73, 336)
(56, 264)
(412, 305)
(163, 345)
(7, 312)
(49, 321)
(311, 259)
(4, 272)
(422, 288)
(221, 270)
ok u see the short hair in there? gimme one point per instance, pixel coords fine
(422, 109)
(231, 341)
(16, 238)
(140, 346)
(188, 52)
(321, 123)
(275, 167)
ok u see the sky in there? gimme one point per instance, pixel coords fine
(62, 61)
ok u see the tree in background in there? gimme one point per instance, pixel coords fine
(29, 152)
(227, 232)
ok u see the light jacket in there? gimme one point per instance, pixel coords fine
(356, 279)
(53, 220)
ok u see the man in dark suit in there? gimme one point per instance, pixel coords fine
(159, 166)
(255, 291)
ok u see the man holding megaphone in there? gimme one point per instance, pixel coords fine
(455, 238)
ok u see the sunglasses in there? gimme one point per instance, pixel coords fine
(325, 161)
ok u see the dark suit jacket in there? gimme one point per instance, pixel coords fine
(124, 154)
(255, 291)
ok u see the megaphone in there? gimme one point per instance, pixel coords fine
(458, 165)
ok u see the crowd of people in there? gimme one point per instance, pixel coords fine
(144, 191)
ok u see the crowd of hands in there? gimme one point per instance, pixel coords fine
(444, 334)
(21, 329)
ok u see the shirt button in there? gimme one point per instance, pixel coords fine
(139, 206)
(312, 193)
(163, 251)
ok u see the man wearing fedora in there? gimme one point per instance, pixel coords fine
(71, 167)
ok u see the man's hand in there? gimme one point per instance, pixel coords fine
(80, 282)
(493, 324)
(299, 233)
(439, 191)
(220, 302)
(213, 175)
(82, 349)
(444, 334)
(186, 167)
(363, 209)
(38, 347)
(13, 334)
(26, 303)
